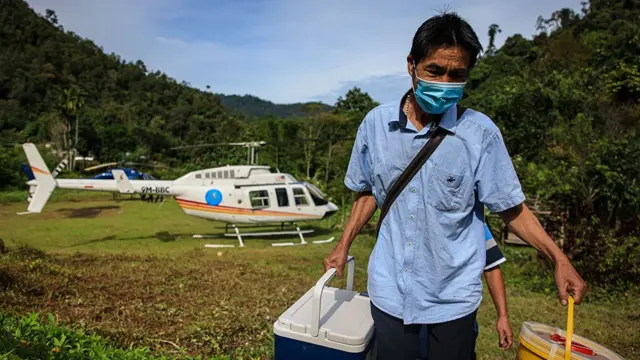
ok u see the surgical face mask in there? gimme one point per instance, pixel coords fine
(437, 97)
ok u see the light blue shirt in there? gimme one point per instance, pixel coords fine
(428, 260)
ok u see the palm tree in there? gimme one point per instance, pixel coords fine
(72, 101)
(493, 30)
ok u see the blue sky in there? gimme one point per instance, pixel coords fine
(283, 50)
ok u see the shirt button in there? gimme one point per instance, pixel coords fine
(405, 269)
(411, 217)
(413, 189)
(409, 244)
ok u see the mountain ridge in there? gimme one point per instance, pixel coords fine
(252, 106)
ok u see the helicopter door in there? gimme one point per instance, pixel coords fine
(282, 197)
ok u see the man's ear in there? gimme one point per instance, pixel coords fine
(410, 65)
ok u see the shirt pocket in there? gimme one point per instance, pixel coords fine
(445, 188)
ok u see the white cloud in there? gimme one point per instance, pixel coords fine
(282, 50)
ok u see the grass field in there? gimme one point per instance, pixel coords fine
(131, 272)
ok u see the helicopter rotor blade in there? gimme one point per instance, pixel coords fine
(246, 144)
(196, 146)
(130, 163)
(100, 166)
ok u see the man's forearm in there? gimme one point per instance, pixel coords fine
(522, 222)
(362, 210)
(495, 283)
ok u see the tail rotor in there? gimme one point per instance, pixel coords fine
(41, 180)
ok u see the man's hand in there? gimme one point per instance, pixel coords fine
(505, 335)
(337, 258)
(568, 280)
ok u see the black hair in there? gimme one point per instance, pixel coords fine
(444, 30)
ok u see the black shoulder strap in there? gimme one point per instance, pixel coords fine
(436, 138)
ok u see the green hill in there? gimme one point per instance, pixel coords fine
(49, 78)
(252, 106)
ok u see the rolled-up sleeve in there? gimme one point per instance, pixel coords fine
(497, 183)
(358, 176)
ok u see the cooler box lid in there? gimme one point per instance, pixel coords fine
(343, 320)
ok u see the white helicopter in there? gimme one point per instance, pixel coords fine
(230, 194)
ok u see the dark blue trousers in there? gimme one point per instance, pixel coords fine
(424, 349)
(451, 340)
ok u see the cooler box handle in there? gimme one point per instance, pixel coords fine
(317, 293)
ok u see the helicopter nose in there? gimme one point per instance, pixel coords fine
(331, 209)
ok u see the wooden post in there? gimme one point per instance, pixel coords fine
(344, 210)
(563, 222)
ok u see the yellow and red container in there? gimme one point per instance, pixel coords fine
(543, 342)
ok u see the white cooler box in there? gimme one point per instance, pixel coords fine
(326, 323)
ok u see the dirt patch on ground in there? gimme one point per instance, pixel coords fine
(209, 306)
(89, 212)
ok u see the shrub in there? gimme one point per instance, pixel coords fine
(29, 338)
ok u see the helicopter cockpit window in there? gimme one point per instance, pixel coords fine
(316, 195)
(259, 198)
(300, 197)
(198, 176)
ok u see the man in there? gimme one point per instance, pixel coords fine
(495, 283)
(428, 259)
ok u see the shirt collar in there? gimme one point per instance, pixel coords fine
(449, 120)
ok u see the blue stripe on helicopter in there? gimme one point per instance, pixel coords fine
(27, 170)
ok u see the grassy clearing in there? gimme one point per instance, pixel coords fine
(131, 272)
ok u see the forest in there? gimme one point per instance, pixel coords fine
(566, 101)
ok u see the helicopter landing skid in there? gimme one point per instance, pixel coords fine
(239, 236)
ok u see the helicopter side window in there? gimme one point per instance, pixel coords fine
(300, 197)
(207, 175)
(232, 174)
(219, 174)
(283, 198)
(198, 176)
(259, 198)
(226, 174)
(213, 175)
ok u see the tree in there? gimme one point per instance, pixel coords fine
(493, 30)
(51, 16)
(355, 102)
(562, 18)
(310, 132)
(72, 101)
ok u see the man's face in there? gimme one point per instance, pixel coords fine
(444, 65)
